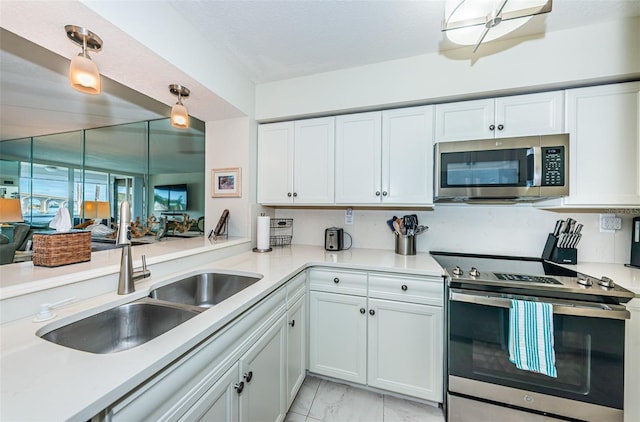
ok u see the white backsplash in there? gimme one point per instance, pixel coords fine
(509, 230)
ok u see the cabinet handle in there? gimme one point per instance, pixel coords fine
(336, 280)
(384, 193)
(404, 287)
(248, 376)
(362, 310)
(239, 387)
(372, 312)
(292, 323)
(500, 127)
(377, 193)
(289, 194)
(295, 194)
(492, 127)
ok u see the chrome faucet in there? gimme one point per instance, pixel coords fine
(127, 276)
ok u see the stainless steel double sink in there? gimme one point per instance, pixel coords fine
(135, 323)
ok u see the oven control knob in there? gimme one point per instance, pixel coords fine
(606, 282)
(457, 271)
(473, 272)
(584, 280)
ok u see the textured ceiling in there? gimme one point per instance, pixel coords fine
(276, 40)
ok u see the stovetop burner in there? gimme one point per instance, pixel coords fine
(532, 276)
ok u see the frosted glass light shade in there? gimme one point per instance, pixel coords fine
(465, 20)
(179, 117)
(10, 211)
(84, 75)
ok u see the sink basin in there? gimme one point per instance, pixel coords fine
(121, 328)
(204, 290)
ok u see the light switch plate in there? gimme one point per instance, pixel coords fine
(609, 223)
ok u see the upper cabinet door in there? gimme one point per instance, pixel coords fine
(531, 114)
(358, 158)
(465, 120)
(407, 156)
(604, 148)
(275, 163)
(313, 161)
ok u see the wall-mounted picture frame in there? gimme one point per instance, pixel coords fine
(226, 183)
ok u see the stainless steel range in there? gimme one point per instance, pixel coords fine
(588, 341)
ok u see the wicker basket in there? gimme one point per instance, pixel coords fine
(55, 249)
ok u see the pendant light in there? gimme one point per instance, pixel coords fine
(83, 72)
(472, 22)
(179, 114)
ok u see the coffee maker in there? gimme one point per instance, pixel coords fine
(635, 243)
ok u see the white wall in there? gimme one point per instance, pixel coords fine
(508, 230)
(608, 51)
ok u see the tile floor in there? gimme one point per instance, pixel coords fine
(324, 401)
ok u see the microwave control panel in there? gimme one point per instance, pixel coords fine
(552, 166)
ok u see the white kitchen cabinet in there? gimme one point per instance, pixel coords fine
(405, 348)
(604, 147)
(338, 336)
(296, 162)
(391, 340)
(385, 157)
(263, 373)
(296, 348)
(518, 115)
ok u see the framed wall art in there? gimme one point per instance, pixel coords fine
(226, 183)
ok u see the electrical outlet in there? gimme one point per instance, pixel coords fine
(348, 216)
(609, 223)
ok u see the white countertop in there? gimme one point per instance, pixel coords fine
(44, 381)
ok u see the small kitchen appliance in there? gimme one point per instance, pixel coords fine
(334, 239)
(527, 168)
(588, 316)
(635, 243)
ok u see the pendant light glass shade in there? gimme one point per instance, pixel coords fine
(179, 113)
(84, 75)
(179, 116)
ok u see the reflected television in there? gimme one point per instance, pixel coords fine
(170, 198)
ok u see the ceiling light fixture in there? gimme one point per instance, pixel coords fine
(470, 22)
(83, 73)
(179, 114)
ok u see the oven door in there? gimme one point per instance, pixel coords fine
(589, 350)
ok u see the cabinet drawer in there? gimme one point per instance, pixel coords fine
(338, 281)
(429, 291)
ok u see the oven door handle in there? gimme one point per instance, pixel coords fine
(577, 309)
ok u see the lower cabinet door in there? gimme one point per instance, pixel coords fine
(296, 342)
(263, 373)
(338, 336)
(220, 402)
(405, 348)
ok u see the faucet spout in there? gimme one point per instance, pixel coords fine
(127, 277)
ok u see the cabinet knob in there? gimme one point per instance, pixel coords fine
(372, 312)
(377, 193)
(492, 127)
(248, 376)
(404, 287)
(239, 387)
(289, 194)
(292, 323)
(336, 280)
(384, 193)
(362, 310)
(295, 194)
(500, 127)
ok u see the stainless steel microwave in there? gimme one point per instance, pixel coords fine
(525, 168)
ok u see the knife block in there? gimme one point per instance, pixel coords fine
(552, 252)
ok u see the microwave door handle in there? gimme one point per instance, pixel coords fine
(537, 165)
(596, 311)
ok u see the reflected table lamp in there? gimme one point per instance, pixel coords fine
(96, 210)
(10, 212)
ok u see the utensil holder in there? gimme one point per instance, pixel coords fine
(405, 244)
(558, 255)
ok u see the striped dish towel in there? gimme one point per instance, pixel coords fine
(531, 337)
